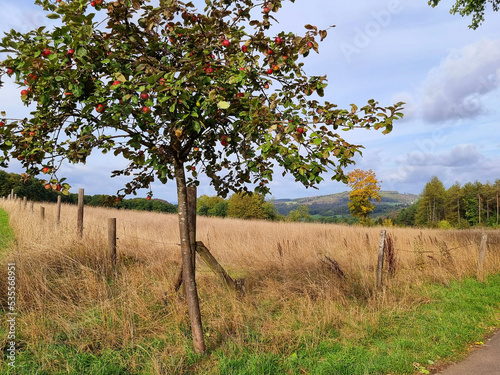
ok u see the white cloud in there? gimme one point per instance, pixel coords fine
(457, 87)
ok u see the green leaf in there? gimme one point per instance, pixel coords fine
(223, 105)
(53, 16)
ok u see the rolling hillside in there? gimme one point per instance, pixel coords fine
(336, 204)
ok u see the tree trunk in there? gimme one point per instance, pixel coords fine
(497, 208)
(479, 207)
(188, 273)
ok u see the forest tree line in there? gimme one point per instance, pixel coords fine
(459, 206)
(33, 189)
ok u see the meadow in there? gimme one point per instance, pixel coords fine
(311, 304)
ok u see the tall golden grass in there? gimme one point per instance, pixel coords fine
(68, 292)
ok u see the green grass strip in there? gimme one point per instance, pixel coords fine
(459, 315)
(6, 232)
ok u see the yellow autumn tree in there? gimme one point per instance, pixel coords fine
(364, 189)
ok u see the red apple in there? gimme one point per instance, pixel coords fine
(209, 70)
(46, 169)
(270, 51)
(226, 43)
(270, 71)
(116, 83)
(24, 92)
(266, 86)
(1, 123)
(100, 108)
(148, 198)
(10, 71)
(193, 168)
(31, 134)
(92, 3)
(241, 95)
(309, 45)
(244, 48)
(48, 186)
(300, 130)
(58, 187)
(196, 149)
(70, 52)
(266, 9)
(146, 109)
(278, 40)
(276, 67)
(46, 52)
(144, 95)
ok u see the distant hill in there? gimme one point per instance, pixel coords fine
(336, 204)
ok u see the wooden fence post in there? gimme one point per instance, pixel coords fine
(79, 221)
(380, 264)
(42, 213)
(32, 207)
(112, 241)
(25, 201)
(11, 194)
(482, 255)
(58, 214)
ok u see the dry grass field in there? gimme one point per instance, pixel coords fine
(301, 281)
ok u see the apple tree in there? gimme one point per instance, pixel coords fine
(177, 92)
(476, 8)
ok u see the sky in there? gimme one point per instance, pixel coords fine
(388, 50)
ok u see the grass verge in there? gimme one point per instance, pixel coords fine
(459, 315)
(441, 330)
(6, 232)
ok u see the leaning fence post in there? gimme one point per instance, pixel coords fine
(482, 254)
(380, 264)
(112, 241)
(42, 213)
(79, 222)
